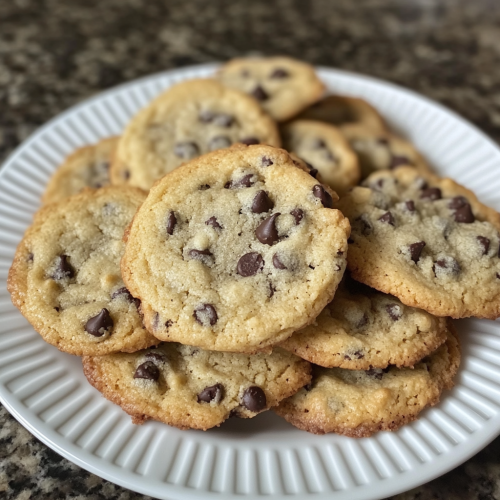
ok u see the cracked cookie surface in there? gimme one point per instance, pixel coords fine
(66, 280)
(190, 388)
(186, 121)
(428, 241)
(359, 403)
(235, 250)
(283, 86)
(363, 329)
(86, 167)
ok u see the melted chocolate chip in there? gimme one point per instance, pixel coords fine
(279, 73)
(464, 214)
(199, 254)
(223, 120)
(398, 161)
(204, 187)
(171, 223)
(259, 93)
(219, 142)
(376, 373)
(100, 324)
(245, 181)
(431, 194)
(266, 231)
(266, 161)
(416, 250)
(254, 399)
(484, 243)
(213, 222)
(250, 264)
(212, 393)
(186, 150)
(147, 371)
(261, 203)
(250, 140)
(410, 206)
(63, 269)
(457, 202)
(277, 262)
(446, 266)
(205, 313)
(155, 357)
(168, 323)
(394, 311)
(387, 218)
(325, 197)
(298, 215)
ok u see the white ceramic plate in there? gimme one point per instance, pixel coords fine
(47, 392)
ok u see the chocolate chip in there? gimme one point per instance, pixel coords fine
(298, 215)
(206, 116)
(212, 393)
(63, 268)
(464, 214)
(168, 323)
(100, 324)
(155, 357)
(364, 224)
(457, 202)
(388, 218)
(266, 161)
(261, 203)
(318, 143)
(320, 192)
(355, 355)
(484, 243)
(250, 264)
(219, 142)
(397, 161)
(446, 266)
(126, 174)
(394, 311)
(410, 206)
(277, 262)
(223, 120)
(431, 194)
(383, 141)
(245, 181)
(313, 172)
(199, 254)
(171, 223)
(204, 187)
(128, 296)
(272, 289)
(213, 222)
(57, 308)
(279, 73)
(362, 322)
(250, 140)
(416, 250)
(30, 257)
(259, 93)
(147, 371)
(266, 231)
(254, 399)
(376, 373)
(186, 150)
(206, 313)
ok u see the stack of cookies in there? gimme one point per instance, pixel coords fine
(200, 270)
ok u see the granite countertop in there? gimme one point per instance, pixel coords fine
(54, 54)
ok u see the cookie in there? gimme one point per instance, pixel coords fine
(190, 388)
(362, 329)
(346, 113)
(380, 151)
(86, 167)
(428, 241)
(359, 403)
(325, 149)
(189, 119)
(282, 85)
(65, 278)
(235, 250)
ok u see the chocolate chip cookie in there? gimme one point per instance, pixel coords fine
(189, 119)
(428, 241)
(86, 167)
(325, 149)
(65, 278)
(346, 113)
(190, 388)
(359, 403)
(235, 250)
(282, 85)
(363, 329)
(380, 151)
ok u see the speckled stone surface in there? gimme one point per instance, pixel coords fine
(54, 54)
